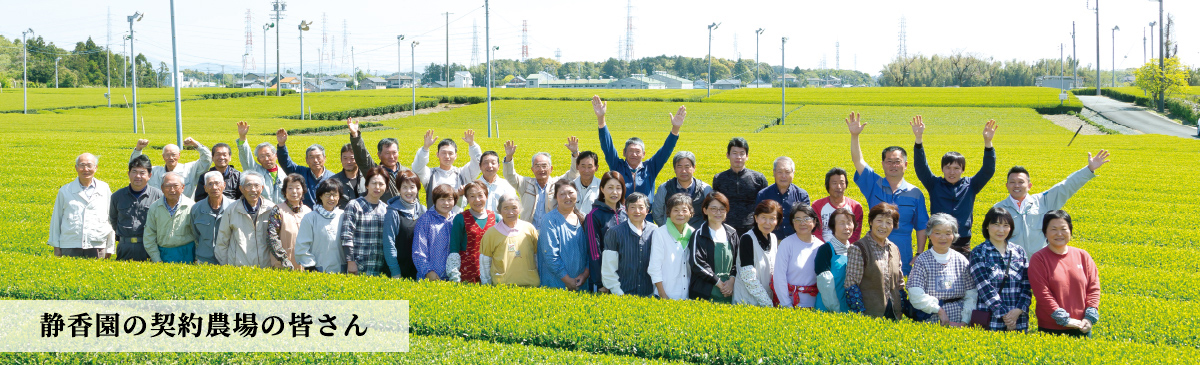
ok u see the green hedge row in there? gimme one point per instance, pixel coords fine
(692, 331)
(242, 94)
(366, 112)
(209, 96)
(1175, 108)
(422, 350)
(321, 129)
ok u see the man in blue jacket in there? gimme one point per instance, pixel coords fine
(952, 193)
(639, 175)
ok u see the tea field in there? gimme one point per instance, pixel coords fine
(1135, 218)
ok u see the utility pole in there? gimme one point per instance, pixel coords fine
(412, 59)
(783, 90)
(265, 81)
(1162, 51)
(175, 76)
(108, 60)
(137, 16)
(56, 71)
(756, 61)
(487, 46)
(25, 71)
(1074, 60)
(280, 7)
(1114, 55)
(303, 28)
(353, 68)
(1097, 9)
(399, 63)
(711, 27)
(447, 49)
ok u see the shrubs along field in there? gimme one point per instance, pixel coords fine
(1132, 218)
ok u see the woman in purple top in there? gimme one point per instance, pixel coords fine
(431, 244)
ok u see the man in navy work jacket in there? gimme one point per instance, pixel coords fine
(639, 175)
(952, 193)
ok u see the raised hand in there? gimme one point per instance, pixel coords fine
(677, 118)
(1100, 159)
(281, 137)
(142, 143)
(572, 145)
(855, 124)
(189, 142)
(989, 131)
(509, 149)
(353, 126)
(430, 139)
(918, 128)
(469, 137)
(599, 106)
(243, 128)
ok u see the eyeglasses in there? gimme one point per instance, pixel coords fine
(803, 220)
(718, 210)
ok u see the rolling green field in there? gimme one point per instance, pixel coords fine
(1132, 218)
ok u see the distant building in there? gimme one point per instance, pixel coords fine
(372, 83)
(462, 79)
(727, 84)
(537, 79)
(516, 82)
(399, 82)
(576, 84)
(700, 84)
(1057, 82)
(637, 81)
(672, 82)
(290, 83)
(334, 84)
(757, 84)
(828, 81)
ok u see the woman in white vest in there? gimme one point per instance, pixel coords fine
(669, 251)
(756, 257)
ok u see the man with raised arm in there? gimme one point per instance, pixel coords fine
(446, 173)
(190, 171)
(639, 174)
(313, 174)
(222, 154)
(952, 193)
(261, 160)
(1027, 209)
(389, 157)
(537, 192)
(892, 189)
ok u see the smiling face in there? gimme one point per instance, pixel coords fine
(477, 198)
(330, 200)
(680, 214)
(443, 205)
(510, 210)
(566, 197)
(138, 178)
(783, 174)
(766, 222)
(634, 153)
(803, 223)
(170, 156)
(389, 155)
(952, 172)
(1018, 185)
(294, 193)
(612, 191)
(997, 231)
(85, 166)
(587, 167)
(843, 227)
(489, 165)
(172, 187)
(837, 185)
(881, 227)
(315, 159)
(894, 164)
(941, 236)
(220, 157)
(1058, 233)
(446, 156)
(408, 192)
(541, 168)
(715, 211)
(636, 211)
(266, 157)
(252, 190)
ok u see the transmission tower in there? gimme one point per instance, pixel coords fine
(837, 55)
(629, 30)
(737, 54)
(248, 59)
(324, 43)
(558, 55)
(474, 43)
(332, 54)
(524, 40)
(902, 50)
(345, 43)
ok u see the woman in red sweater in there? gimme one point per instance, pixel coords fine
(1064, 280)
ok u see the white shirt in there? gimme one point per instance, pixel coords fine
(79, 218)
(587, 194)
(190, 171)
(496, 190)
(669, 263)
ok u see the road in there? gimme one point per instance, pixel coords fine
(1135, 117)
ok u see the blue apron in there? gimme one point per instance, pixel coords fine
(837, 267)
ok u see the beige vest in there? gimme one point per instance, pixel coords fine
(289, 228)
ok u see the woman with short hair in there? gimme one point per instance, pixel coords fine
(756, 257)
(362, 226)
(627, 248)
(467, 231)
(830, 264)
(795, 278)
(431, 243)
(400, 224)
(1001, 276)
(508, 251)
(940, 286)
(873, 277)
(713, 248)
(318, 244)
(606, 212)
(562, 249)
(669, 251)
(284, 224)
(1064, 280)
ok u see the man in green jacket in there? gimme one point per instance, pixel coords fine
(168, 235)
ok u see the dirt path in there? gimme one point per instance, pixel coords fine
(1072, 123)
(440, 108)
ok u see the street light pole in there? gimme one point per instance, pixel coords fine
(303, 27)
(137, 16)
(756, 61)
(783, 83)
(1114, 55)
(25, 72)
(1074, 60)
(265, 28)
(56, 71)
(487, 46)
(708, 85)
(413, 59)
(1162, 51)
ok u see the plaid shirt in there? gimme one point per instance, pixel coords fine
(946, 282)
(1002, 290)
(362, 231)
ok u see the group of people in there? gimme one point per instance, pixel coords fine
(739, 240)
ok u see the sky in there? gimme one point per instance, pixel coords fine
(213, 32)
